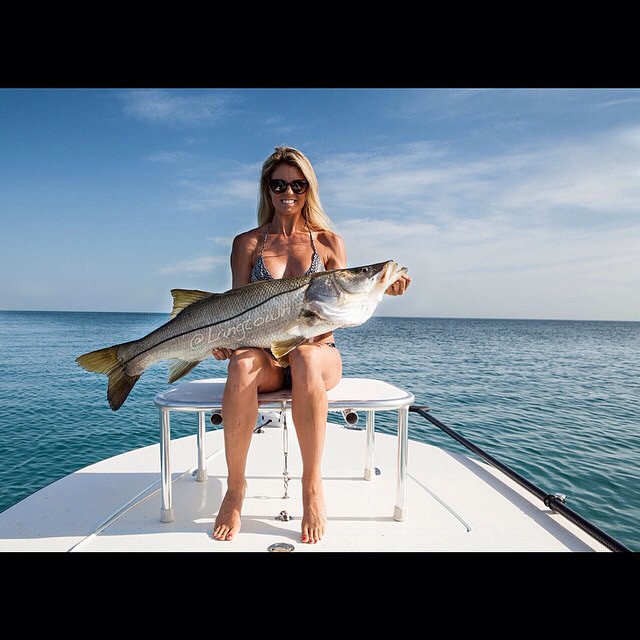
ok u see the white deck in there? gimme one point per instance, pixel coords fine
(453, 503)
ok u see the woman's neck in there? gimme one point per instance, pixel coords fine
(288, 226)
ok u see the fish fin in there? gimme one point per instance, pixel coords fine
(182, 298)
(106, 361)
(282, 348)
(179, 368)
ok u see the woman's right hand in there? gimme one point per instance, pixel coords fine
(221, 353)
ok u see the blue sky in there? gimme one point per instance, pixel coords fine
(503, 203)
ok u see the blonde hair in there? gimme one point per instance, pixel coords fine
(312, 211)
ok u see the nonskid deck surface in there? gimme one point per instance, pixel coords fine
(454, 503)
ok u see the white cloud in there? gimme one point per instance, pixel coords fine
(493, 268)
(600, 174)
(197, 265)
(175, 107)
(169, 157)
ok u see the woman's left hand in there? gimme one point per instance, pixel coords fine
(399, 286)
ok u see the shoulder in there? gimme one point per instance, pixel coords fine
(247, 241)
(244, 251)
(330, 239)
(332, 249)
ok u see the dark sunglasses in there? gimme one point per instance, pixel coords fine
(280, 186)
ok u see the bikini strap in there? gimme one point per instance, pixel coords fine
(264, 240)
(313, 246)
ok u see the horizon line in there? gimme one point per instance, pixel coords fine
(162, 313)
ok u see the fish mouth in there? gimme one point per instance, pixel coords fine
(390, 272)
(390, 268)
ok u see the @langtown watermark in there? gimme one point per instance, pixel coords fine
(220, 335)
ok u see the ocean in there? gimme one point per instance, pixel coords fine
(558, 401)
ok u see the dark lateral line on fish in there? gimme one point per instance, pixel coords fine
(184, 333)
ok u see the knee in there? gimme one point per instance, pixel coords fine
(305, 359)
(242, 364)
(311, 366)
(302, 356)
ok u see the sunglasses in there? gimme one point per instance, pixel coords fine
(280, 186)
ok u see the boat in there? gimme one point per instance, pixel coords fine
(385, 492)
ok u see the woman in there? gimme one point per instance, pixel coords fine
(294, 237)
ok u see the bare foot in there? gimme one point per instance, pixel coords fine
(313, 517)
(227, 523)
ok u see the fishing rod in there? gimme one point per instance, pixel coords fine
(552, 501)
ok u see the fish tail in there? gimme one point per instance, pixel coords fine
(106, 361)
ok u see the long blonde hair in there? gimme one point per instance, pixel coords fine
(312, 210)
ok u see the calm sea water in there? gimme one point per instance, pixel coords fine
(557, 401)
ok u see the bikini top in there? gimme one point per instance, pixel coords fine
(259, 270)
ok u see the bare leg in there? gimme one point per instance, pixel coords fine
(314, 368)
(248, 368)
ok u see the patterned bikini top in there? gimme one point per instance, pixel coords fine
(259, 270)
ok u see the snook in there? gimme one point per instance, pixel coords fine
(279, 314)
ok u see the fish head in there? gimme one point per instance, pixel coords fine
(348, 297)
(369, 280)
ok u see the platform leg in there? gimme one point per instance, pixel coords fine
(166, 510)
(400, 511)
(369, 471)
(201, 475)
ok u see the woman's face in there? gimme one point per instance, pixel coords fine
(287, 202)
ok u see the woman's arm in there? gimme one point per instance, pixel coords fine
(336, 252)
(241, 260)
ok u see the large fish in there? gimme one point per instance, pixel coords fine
(279, 314)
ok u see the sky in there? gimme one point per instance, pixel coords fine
(501, 202)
